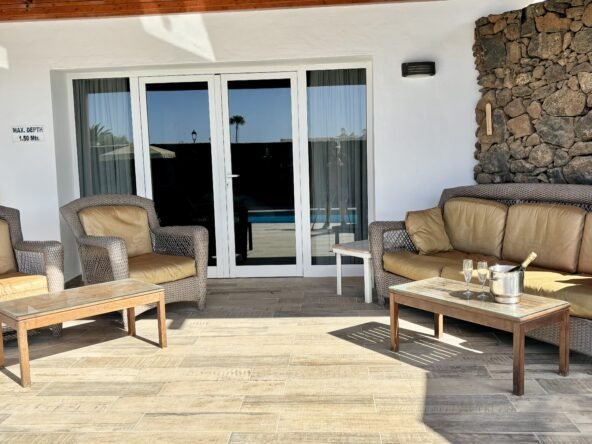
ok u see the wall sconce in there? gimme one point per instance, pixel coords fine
(417, 69)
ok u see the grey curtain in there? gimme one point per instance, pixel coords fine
(104, 136)
(337, 158)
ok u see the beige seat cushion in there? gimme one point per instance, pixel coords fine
(585, 262)
(573, 288)
(126, 222)
(475, 225)
(16, 285)
(554, 232)
(426, 230)
(416, 266)
(7, 261)
(159, 268)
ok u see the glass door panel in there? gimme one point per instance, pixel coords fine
(259, 115)
(180, 155)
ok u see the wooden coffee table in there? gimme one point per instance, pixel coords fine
(53, 308)
(443, 297)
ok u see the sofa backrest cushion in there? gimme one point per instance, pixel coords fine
(129, 223)
(585, 263)
(426, 230)
(553, 232)
(7, 261)
(476, 225)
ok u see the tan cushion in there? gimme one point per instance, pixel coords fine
(126, 222)
(554, 232)
(573, 288)
(7, 261)
(426, 229)
(16, 285)
(585, 263)
(475, 225)
(415, 266)
(159, 268)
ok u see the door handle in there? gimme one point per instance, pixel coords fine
(232, 176)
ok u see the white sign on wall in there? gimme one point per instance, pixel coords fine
(27, 133)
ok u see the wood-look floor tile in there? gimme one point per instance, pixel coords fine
(194, 374)
(565, 438)
(567, 386)
(304, 438)
(349, 423)
(209, 422)
(127, 437)
(496, 438)
(104, 388)
(556, 403)
(110, 362)
(235, 361)
(309, 372)
(223, 388)
(72, 421)
(178, 404)
(446, 404)
(317, 403)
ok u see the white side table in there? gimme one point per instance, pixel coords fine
(359, 249)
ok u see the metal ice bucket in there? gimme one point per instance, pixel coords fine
(506, 287)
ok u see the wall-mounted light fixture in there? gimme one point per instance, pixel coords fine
(194, 135)
(417, 69)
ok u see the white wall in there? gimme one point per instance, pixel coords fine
(423, 128)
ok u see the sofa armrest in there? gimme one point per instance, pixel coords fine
(46, 258)
(190, 241)
(103, 258)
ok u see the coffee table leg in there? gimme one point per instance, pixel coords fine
(438, 325)
(564, 345)
(1, 346)
(131, 321)
(367, 281)
(338, 272)
(160, 311)
(23, 346)
(394, 310)
(518, 360)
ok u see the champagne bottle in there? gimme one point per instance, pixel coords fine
(531, 257)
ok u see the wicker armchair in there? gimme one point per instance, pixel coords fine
(106, 258)
(392, 236)
(35, 258)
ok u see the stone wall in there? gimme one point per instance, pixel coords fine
(535, 69)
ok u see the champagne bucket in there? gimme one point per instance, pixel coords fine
(506, 287)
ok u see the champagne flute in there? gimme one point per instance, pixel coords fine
(482, 272)
(468, 272)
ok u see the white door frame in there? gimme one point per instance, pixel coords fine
(263, 270)
(143, 152)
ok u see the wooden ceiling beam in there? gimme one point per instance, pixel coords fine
(23, 10)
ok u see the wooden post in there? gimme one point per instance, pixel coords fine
(160, 311)
(23, 346)
(518, 379)
(394, 311)
(131, 321)
(438, 325)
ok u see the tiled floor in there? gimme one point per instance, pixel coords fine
(285, 360)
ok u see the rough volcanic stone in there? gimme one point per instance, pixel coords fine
(582, 67)
(520, 126)
(533, 139)
(551, 22)
(515, 108)
(538, 72)
(503, 96)
(534, 110)
(514, 50)
(521, 91)
(555, 175)
(573, 84)
(567, 38)
(484, 178)
(585, 81)
(576, 26)
(500, 25)
(512, 31)
(544, 92)
(565, 103)
(520, 151)
(495, 160)
(584, 128)
(582, 42)
(575, 12)
(579, 170)
(587, 16)
(546, 46)
(523, 78)
(556, 5)
(581, 149)
(494, 51)
(556, 130)
(521, 166)
(541, 155)
(555, 73)
(500, 131)
(561, 158)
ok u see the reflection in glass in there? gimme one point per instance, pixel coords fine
(261, 150)
(181, 156)
(104, 136)
(337, 148)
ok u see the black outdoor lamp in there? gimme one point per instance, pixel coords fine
(194, 135)
(418, 69)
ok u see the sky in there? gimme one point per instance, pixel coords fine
(173, 115)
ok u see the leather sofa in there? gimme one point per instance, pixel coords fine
(503, 224)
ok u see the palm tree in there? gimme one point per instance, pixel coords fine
(237, 121)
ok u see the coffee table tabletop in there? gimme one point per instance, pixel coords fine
(444, 297)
